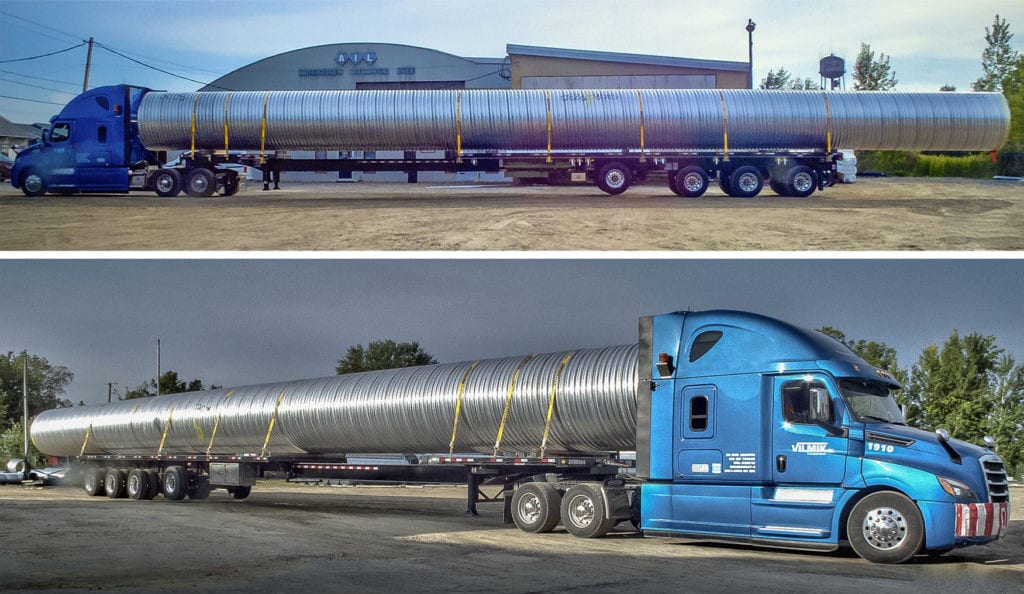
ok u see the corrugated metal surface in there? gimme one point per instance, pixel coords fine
(401, 410)
(604, 119)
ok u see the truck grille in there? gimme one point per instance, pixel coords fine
(995, 479)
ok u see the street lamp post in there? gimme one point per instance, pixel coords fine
(751, 25)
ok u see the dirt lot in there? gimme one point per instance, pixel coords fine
(873, 214)
(416, 539)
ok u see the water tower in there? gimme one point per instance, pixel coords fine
(832, 68)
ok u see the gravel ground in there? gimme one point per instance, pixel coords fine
(872, 214)
(416, 539)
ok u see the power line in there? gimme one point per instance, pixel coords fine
(68, 49)
(150, 66)
(35, 86)
(30, 100)
(42, 26)
(53, 80)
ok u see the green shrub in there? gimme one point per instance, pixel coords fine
(916, 164)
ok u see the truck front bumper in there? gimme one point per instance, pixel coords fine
(982, 519)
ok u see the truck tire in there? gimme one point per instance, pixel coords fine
(200, 183)
(691, 182)
(115, 482)
(724, 184)
(231, 184)
(778, 185)
(94, 481)
(200, 489)
(746, 182)
(536, 507)
(614, 178)
(154, 483)
(239, 492)
(138, 484)
(175, 483)
(801, 181)
(33, 184)
(583, 512)
(885, 527)
(166, 183)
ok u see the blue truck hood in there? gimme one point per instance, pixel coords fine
(922, 450)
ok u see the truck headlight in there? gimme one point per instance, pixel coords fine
(956, 488)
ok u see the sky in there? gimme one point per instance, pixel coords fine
(238, 322)
(931, 42)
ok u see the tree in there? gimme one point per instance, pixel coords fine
(383, 354)
(870, 74)
(947, 88)
(949, 386)
(46, 385)
(782, 79)
(998, 59)
(169, 384)
(1005, 421)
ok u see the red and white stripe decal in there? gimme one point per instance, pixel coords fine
(982, 519)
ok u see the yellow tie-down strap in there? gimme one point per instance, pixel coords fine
(85, 443)
(458, 409)
(227, 102)
(508, 403)
(195, 106)
(263, 129)
(216, 423)
(828, 126)
(640, 99)
(547, 96)
(458, 127)
(167, 427)
(725, 126)
(551, 403)
(273, 421)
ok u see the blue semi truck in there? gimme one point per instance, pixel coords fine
(746, 429)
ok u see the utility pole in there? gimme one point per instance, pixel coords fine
(24, 394)
(158, 367)
(750, 56)
(88, 64)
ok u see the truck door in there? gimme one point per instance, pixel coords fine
(809, 462)
(805, 452)
(60, 171)
(99, 148)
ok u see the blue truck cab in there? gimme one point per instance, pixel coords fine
(92, 145)
(751, 430)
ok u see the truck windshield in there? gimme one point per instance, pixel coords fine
(870, 401)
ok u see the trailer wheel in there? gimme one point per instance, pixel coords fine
(33, 184)
(724, 184)
(231, 184)
(885, 527)
(115, 483)
(138, 484)
(166, 183)
(778, 186)
(201, 489)
(691, 182)
(200, 183)
(614, 178)
(239, 492)
(154, 483)
(175, 483)
(535, 507)
(746, 182)
(801, 181)
(583, 512)
(94, 482)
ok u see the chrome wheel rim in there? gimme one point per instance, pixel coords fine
(747, 182)
(884, 528)
(581, 510)
(33, 182)
(164, 182)
(529, 508)
(199, 184)
(615, 178)
(693, 182)
(802, 182)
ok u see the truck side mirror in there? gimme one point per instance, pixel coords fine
(821, 409)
